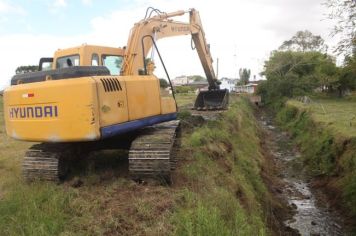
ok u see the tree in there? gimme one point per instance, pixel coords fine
(292, 74)
(26, 69)
(163, 83)
(328, 74)
(304, 41)
(347, 79)
(118, 63)
(244, 75)
(344, 12)
(184, 89)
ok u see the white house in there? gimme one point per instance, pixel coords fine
(248, 88)
(180, 80)
(227, 83)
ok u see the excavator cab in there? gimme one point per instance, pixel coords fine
(212, 100)
(112, 98)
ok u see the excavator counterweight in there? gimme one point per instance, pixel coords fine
(91, 98)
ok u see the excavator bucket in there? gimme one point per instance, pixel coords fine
(212, 100)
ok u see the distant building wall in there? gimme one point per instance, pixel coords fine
(228, 84)
(180, 80)
(248, 88)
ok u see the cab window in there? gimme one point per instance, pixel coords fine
(67, 61)
(47, 66)
(113, 63)
(94, 59)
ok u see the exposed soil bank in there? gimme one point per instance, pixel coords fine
(310, 215)
(220, 175)
(327, 162)
(223, 185)
(217, 188)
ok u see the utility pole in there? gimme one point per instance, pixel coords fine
(217, 68)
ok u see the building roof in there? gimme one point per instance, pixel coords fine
(229, 79)
(181, 76)
(203, 82)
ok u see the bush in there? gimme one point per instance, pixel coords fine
(163, 83)
(291, 74)
(184, 89)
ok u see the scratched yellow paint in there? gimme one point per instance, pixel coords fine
(143, 96)
(112, 105)
(76, 109)
(168, 105)
(85, 52)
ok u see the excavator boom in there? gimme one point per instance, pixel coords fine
(161, 26)
(81, 104)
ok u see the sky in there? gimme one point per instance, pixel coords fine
(241, 33)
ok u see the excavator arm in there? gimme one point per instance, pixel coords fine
(162, 26)
(203, 49)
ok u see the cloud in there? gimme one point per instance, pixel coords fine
(87, 2)
(3, 19)
(18, 51)
(7, 8)
(241, 34)
(56, 6)
(60, 3)
(289, 17)
(235, 34)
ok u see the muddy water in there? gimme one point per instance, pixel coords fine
(311, 215)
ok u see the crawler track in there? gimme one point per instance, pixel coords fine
(45, 162)
(150, 154)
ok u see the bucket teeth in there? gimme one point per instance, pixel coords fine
(212, 100)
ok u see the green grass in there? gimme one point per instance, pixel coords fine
(28, 209)
(336, 114)
(326, 134)
(35, 209)
(11, 152)
(224, 193)
(185, 99)
(217, 189)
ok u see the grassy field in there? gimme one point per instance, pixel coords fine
(337, 114)
(27, 209)
(217, 188)
(185, 99)
(11, 152)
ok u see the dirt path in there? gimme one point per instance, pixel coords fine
(311, 215)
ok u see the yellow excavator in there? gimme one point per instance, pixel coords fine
(87, 97)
